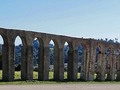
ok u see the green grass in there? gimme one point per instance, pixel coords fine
(35, 81)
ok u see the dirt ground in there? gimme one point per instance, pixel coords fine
(62, 87)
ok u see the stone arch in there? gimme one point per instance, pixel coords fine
(54, 55)
(1, 44)
(4, 37)
(69, 60)
(21, 67)
(3, 57)
(82, 70)
(1, 61)
(98, 61)
(109, 64)
(38, 56)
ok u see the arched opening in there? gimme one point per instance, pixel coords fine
(97, 62)
(1, 44)
(80, 59)
(116, 63)
(66, 49)
(18, 57)
(108, 63)
(68, 60)
(82, 62)
(51, 59)
(36, 51)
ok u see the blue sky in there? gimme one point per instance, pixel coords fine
(76, 18)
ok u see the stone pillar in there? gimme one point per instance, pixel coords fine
(41, 63)
(75, 64)
(8, 62)
(61, 64)
(92, 53)
(29, 56)
(101, 67)
(110, 74)
(114, 58)
(5, 63)
(23, 64)
(87, 65)
(46, 63)
(43, 72)
(83, 73)
(72, 65)
(56, 64)
(118, 68)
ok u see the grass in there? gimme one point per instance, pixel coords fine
(35, 81)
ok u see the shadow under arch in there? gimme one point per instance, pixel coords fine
(82, 64)
(109, 63)
(53, 59)
(68, 60)
(4, 57)
(117, 64)
(40, 60)
(98, 62)
(22, 65)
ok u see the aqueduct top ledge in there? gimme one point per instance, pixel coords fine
(9, 36)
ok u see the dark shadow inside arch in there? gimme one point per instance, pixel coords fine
(68, 60)
(66, 49)
(117, 65)
(97, 58)
(82, 62)
(108, 66)
(18, 57)
(80, 59)
(36, 48)
(51, 59)
(1, 44)
(38, 58)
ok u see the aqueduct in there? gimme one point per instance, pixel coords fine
(107, 67)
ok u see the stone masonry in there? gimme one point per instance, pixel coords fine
(107, 67)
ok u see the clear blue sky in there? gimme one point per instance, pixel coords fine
(77, 18)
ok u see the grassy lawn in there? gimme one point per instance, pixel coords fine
(17, 75)
(35, 81)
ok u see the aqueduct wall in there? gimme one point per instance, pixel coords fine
(107, 64)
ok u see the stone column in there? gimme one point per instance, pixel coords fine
(56, 64)
(46, 63)
(5, 63)
(61, 64)
(83, 73)
(29, 57)
(23, 64)
(118, 68)
(101, 67)
(92, 53)
(72, 65)
(114, 58)
(75, 64)
(110, 66)
(8, 62)
(43, 64)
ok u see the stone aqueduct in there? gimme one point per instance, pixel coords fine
(111, 69)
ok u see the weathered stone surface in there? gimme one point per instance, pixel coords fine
(108, 66)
